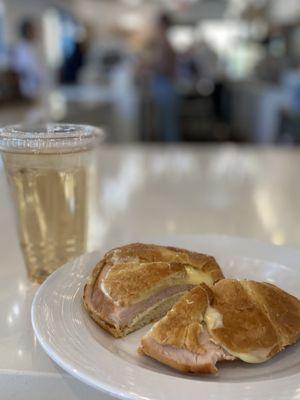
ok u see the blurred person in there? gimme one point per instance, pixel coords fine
(188, 69)
(125, 99)
(26, 62)
(76, 50)
(275, 60)
(164, 64)
(211, 76)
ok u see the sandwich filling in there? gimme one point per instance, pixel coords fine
(123, 316)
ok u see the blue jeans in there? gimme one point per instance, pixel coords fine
(166, 102)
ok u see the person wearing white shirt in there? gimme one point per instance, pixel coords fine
(26, 63)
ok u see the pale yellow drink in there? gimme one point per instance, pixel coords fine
(52, 191)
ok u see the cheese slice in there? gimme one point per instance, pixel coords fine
(195, 277)
(256, 357)
(213, 319)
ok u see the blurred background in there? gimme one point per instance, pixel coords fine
(155, 70)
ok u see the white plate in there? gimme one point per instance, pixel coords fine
(87, 352)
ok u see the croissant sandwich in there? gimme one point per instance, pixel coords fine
(243, 320)
(138, 283)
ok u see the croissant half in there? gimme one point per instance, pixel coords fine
(137, 284)
(244, 320)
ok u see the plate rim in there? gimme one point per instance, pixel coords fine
(123, 394)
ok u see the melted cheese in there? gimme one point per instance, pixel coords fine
(195, 277)
(255, 357)
(213, 319)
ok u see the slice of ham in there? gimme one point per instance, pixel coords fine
(184, 359)
(122, 316)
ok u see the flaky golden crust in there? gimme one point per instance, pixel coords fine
(137, 268)
(250, 320)
(112, 329)
(126, 282)
(181, 330)
(282, 309)
(135, 272)
(155, 253)
(181, 326)
(93, 313)
(246, 327)
(256, 316)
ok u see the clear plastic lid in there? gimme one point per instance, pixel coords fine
(49, 138)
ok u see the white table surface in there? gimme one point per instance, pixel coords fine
(148, 191)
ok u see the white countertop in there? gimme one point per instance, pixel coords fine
(148, 191)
